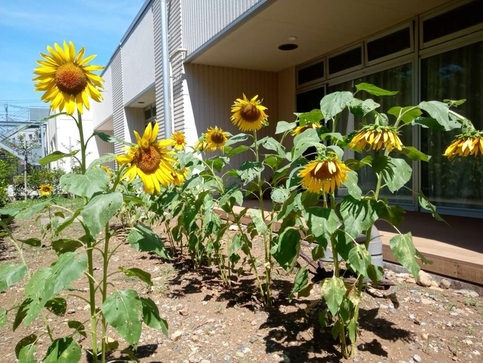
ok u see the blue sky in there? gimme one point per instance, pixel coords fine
(28, 26)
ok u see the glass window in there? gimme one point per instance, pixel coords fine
(395, 79)
(457, 74)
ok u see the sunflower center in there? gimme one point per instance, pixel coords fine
(148, 159)
(70, 79)
(218, 138)
(322, 171)
(250, 113)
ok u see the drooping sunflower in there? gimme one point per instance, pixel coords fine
(299, 129)
(150, 160)
(179, 139)
(248, 115)
(216, 138)
(465, 145)
(201, 145)
(180, 176)
(376, 137)
(67, 79)
(45, 190)
(324, 175)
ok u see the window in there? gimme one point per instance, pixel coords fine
(347, 61)
(310, 99)
(310, 73)
(391, 45)
(456, 74)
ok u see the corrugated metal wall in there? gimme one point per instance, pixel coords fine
(203, 19)
(117, 100)
(214, 89)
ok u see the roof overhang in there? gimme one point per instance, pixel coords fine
(319, 26)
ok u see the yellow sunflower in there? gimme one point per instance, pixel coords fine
(67, 79)
(248, 115)
(299, 129)
(45, 190)
(216, 138)
(376, 137)
(324, 175)
(180, 176)
(465, 145)
(180, 140)
(150, 160)
(201, 145)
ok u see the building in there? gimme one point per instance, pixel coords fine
(184, 62)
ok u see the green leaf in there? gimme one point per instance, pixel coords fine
(352, 184)
(64, 245)
(362, 108)
(249, 170)
(10, 274)
(360, 259)
(396, 174)
(111, 138)
(137, 272)
(392, 213)
(426, 204)
(3, 317)
(57, 306)
(106, 158)
(414, 154)
(334, 103)
(333, 291)
(270, 143)
(301, 281)
(85, 185)
(311, 117)
(100, 209)
(259, 222)
(34, 242)
(375, 273)
(142, 238)
(25, 348)
(122, 310)
(358, 215)
(407, 114)
(32, 209)
(440, 112)
(217, 162)
(402, 247)
(284, 126)
(352, 329)
(56, 155)
(22, 312)
(303, 141)
(63, 350)
(78, 327)
(355, 164)
(286, 251)
(374, 90)
(279, 195)
(68, 268)
(151, 316)
(236, 138)
(322, 222)
(230, 152)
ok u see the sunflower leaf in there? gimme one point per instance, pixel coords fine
(374, 90)
(112, 139)
(334, 103)
(283, 126)
(56, 155)
(440, 112)
(85, 185)
(402, 247)
(100, 209)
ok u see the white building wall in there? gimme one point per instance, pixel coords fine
(103, 110)
(138, 58)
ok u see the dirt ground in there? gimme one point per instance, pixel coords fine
(210, 322)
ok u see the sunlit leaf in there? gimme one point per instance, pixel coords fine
(56, 155)
(142, 238)
(32, 209)
(78, 327)
(283, 126)
(112, 139)
(137, 272)
(426, 204)
(122, 310)
(63, 350)
(396, 174)
(358, 215)
(311, 117)
(100, 209)
(352, 184)
(236, 138)
(402, 247)
(301, 281)
(414, 154)
(151, 316)
(34, 242)
(333, 103)
(322, 222)
(10, 274)
(440, 112)
(406, 114)
(259, 222)
(249, 170)
(64, 245)
(333, 291)
(374, 90)
(360, 259)
(25, 349)
(286, 251)
(85, 185)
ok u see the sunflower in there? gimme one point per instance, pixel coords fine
(216, 138)
(45, 190)
(376, 137)
(67, 79)
(299, 129)
(180, 140)
(465, 145)
(201, 145)
(180, 176)
(248, 115)
(150, 160)
(106, 169)
(324, 175)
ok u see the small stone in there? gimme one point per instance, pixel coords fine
(176, 335)
(71, 311)
(416, 358)
(424, 279)
(205, 361)
(445, 284)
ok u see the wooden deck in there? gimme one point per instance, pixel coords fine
(455, 247)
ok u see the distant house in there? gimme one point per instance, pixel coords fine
(184, 62)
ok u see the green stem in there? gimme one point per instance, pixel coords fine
(82, 144)
(105, 265)
(92, 298)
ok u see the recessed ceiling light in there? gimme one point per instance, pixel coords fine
(141, 102)
(292, 38)
(288, 46)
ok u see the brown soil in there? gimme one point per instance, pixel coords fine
(211, 322)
